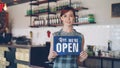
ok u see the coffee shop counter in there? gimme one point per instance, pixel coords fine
(27, 56)
(24, 56)
(102, 62)
(19, 46)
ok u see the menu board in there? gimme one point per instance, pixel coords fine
(116, 10)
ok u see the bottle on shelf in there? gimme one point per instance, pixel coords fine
(83, 19)
(91, 18)
(109, 45)
(42, 21)
(53, 8)
(76, 19)
(54, 21)
(43, 9)
(36, 10)
(29, 12)
(57, 20)
(58, 7)
(76, 4)
(33, 23)
(50, 20)
(37, 22)
(31, 37)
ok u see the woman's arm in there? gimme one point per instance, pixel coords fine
(83, 55)
(52, 54)
(83, 41)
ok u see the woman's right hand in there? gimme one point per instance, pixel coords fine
(52, 55)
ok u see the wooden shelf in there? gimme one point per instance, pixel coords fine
(81, 8)
(47, 11)
(55, 25)
(75, 24)
(83, 23)
(33, 15)
(76, 9)
(41, 13)
(42, 2)
(39, 26)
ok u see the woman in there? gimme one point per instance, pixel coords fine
(67, 61)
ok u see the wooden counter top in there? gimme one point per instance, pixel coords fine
(18, 46)
(108, 58)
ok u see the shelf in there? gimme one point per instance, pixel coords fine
(55, 25)
(76, 9)
(39, 26)
(33, 15)
(45, 13)
(81, 8)
(83, 23)
(47, 10)
(41, 13)
(75, 24)
(42, 2)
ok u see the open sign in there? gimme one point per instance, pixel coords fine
(67, 45)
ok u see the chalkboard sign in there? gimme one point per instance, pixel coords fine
(116, 10)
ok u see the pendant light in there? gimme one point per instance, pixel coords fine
(15, 1)
(5, 7)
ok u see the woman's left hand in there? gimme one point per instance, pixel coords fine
(83, 55)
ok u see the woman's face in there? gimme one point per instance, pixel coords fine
(68, 18)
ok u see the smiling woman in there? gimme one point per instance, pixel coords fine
(67, 17)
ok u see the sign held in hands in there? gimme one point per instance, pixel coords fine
(67, 45)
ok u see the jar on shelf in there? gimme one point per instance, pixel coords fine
(91, 18)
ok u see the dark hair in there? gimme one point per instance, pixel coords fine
(66, 9)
